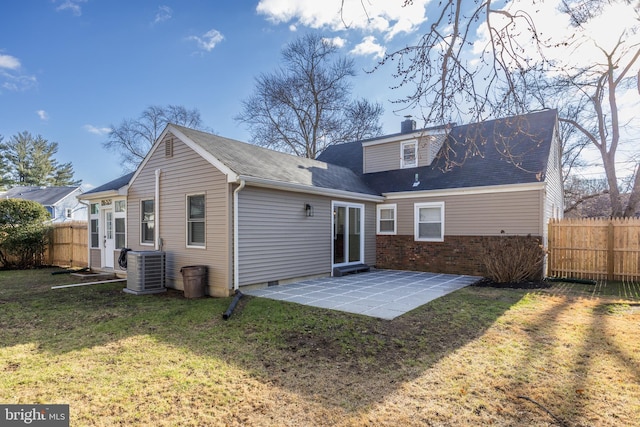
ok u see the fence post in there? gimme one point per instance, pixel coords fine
(610, 253)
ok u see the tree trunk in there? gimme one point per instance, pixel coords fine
(634, 197)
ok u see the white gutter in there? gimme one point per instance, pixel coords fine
(236, 252)
(489, 189)
(156, 213)
(308, 189)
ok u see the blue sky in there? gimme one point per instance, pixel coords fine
(71, 68)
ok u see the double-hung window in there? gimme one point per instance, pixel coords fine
(95, 230)
(429, 222)
(409, 154)
(386, 219)
(147, 211)
(120, 223)
(196, 220)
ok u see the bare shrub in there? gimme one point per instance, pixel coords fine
(513, 259)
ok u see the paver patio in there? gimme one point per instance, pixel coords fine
(384, 294)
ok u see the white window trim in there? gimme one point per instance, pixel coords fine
(414, 164)
(94, 217)
(148, 243)
(394, 208)
(118, 215)
(186, 224)
(416, 224)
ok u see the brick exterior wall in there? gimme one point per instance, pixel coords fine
(456, 255)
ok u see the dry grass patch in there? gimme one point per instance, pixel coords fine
(477, 356)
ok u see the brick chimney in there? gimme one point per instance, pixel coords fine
(408, 125)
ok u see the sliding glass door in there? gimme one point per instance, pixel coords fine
(348, 238)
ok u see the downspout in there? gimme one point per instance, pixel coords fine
(156, 212)
(88, 205)
(236, 256)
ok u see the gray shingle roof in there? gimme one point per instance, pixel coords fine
(527, 138)
(257, 162)
(114, 185)
(46, 196)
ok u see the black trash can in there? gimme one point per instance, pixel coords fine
(194, 278)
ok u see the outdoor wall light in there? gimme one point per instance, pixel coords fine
(308, 209)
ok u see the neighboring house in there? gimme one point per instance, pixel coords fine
(254, 216)
(61, 202)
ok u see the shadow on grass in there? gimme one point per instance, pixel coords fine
(335, 359)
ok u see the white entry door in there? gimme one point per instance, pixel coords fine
(109, 241)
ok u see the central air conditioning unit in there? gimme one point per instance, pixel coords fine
(145, 272)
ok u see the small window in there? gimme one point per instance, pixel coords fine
(196, 220)
(409, 154)
(95, 209)
(68, 213)
(429, 222)
(120, 206)
(120, 233)
(386, 219)
(147, 221)
(95, 234)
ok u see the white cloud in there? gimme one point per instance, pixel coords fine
(209, 40)
(9, 62)
(293, 28)
(16, 82)
(12, 77)
(164, 13)
(369, 46)
(335, 41)
(96, 130)
(72, 5)
(387, 17)
(43, 115)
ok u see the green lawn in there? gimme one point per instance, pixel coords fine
(479, 356)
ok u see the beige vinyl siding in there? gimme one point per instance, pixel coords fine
(278, 242)
(95, 258)
(553, 205)
(386, 156)
(184, 173)
(370, 233)
(554, 198)
(479, 214)
(381, 157)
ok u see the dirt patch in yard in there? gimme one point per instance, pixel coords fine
(478, 356)
(534, 284)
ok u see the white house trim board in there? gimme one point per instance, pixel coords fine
(491, 189)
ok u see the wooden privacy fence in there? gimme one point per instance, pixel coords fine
(68, 245)
(595, 249)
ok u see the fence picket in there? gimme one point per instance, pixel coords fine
(68, 245)
(595, 248)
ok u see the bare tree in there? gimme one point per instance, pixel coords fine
(133, 138)
(477, 57)
(304, 106)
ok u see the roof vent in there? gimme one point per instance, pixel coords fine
(408, 125)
